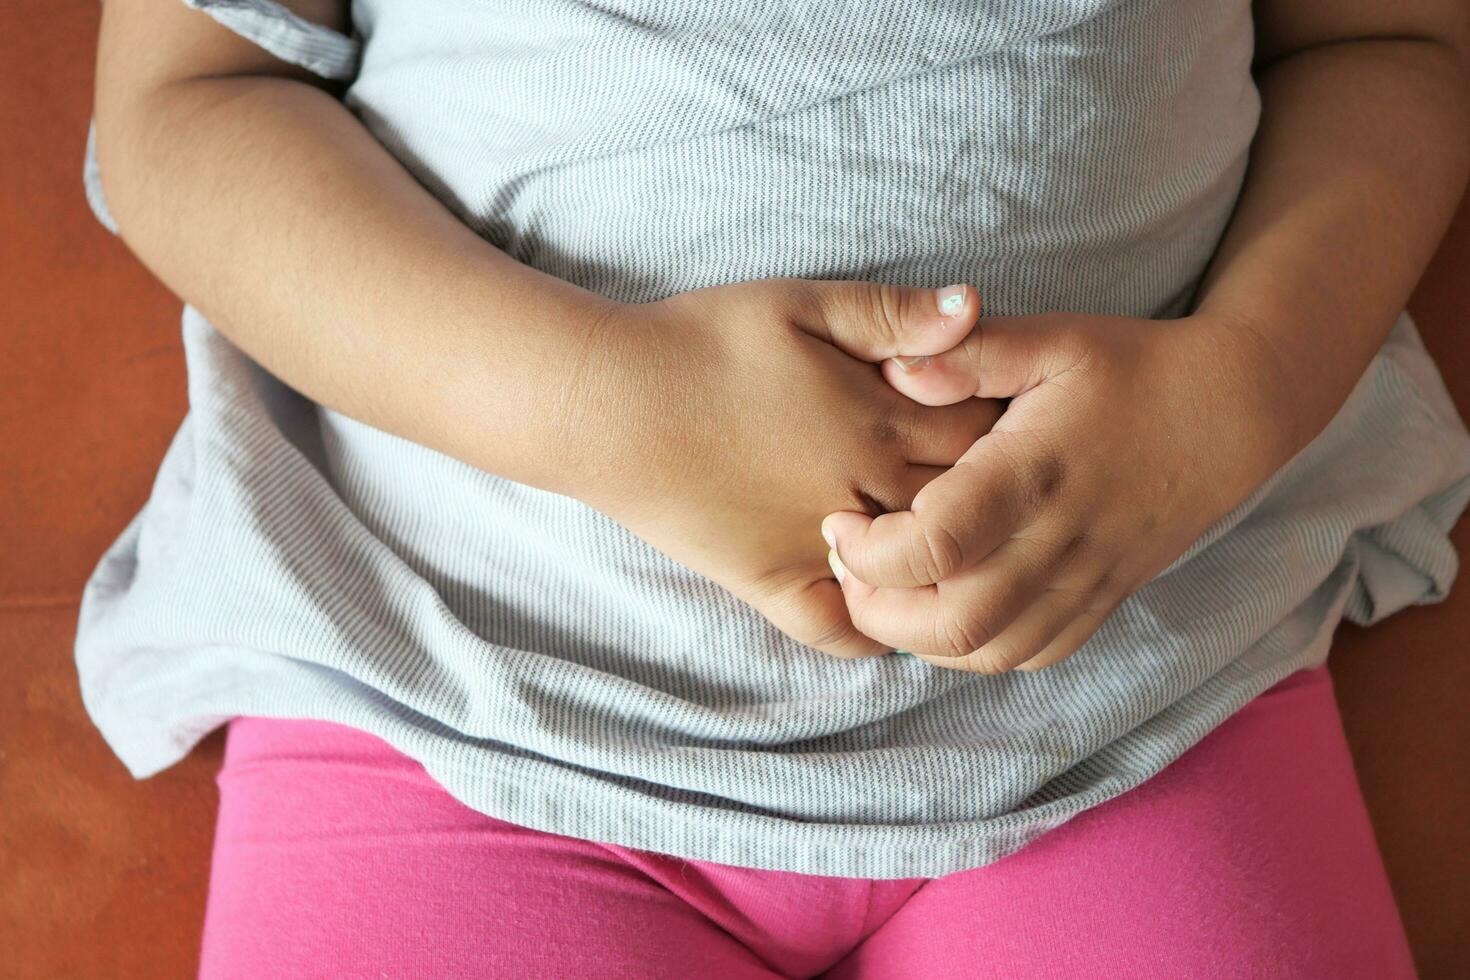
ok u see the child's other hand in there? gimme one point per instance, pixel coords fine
(722, 424)
(1123, 442)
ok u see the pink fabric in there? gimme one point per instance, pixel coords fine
(1251, 856)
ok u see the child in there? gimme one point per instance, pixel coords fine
(598, 318)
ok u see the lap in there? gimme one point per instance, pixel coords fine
(1250, 856)
(335, 856)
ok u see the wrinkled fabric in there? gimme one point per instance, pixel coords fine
(551, 669)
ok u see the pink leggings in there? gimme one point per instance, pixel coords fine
(1251, 856)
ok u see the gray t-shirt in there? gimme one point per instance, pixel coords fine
(550, 668)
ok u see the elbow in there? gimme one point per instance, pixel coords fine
(130, 127)
(112, 167)
(139, 136)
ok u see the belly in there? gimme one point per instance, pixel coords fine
(1073, 159)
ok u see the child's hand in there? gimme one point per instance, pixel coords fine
(723, 424)
(1125, 440)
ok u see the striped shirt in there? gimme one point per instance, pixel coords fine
(550, 668)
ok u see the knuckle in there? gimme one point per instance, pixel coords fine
(994, 659)
(889, 426)
(1038, 471)
(1104, 584)
(917, 567)
(1110, 589)
(1077, 600)
(1047, 471)
(945, 431)
(934, 554)
(970, 351)
(884, 304)
(1040, 475)
(1149, 522)
(959, 636)
(1077, 544)
(976, 662)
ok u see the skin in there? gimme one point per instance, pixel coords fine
(248, 189)
(1096, 477)
(707, 441)
(252, 192)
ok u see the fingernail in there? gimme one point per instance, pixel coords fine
(952, 299)
(828, 536)
(837, 569)
(911, 364)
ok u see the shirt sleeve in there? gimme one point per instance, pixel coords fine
(320, 50)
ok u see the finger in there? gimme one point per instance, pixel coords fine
(955, 521)
(940, 436)
(815, 615)
(872, 321)
(1001, 358)
(1070, 639)
(955, 620)
(1036, 627)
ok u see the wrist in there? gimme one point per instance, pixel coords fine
(608, 406)
(520, 366)
(1254, 401)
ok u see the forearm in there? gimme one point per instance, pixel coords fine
(1360, 158)
(264, 203)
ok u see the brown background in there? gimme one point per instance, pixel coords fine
(101, 876)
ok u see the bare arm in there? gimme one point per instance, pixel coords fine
(254, 194)
(1362, 153)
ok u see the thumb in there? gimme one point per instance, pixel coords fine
(873, 321)
(1001, 358)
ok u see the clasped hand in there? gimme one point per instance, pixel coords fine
(726, 425)
(1123, 440)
